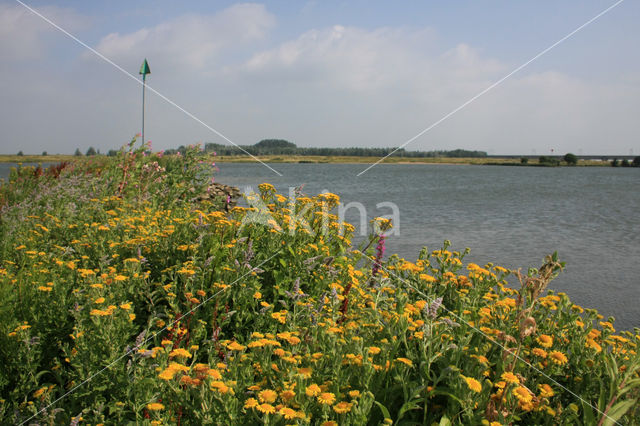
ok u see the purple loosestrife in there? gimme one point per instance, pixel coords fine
(379, 254)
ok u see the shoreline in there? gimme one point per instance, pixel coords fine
(298, 159)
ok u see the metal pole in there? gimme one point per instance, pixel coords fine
(144, 84)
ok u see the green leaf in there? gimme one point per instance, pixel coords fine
(588, 417)
(384, 410)
(617, 411)
(444, 421)
(407, 406)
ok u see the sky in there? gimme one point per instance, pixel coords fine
(322, 73)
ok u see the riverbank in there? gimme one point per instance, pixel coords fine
(317, 159)
(493, 161)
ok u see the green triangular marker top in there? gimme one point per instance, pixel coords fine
(144, 69)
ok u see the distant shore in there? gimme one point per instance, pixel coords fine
(497, 161)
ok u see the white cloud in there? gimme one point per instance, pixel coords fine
(191, 40)
(347, 85)
(334, 86)
(24, 35)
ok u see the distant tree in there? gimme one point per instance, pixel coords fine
(570, 159)
(636, 162)
(625, 163)
(44, 153)
(112, 153)
(614, 163)
(524, 160)
(275, 143)
(91, 151)
(20, 154)
(77, 153)
(548, 161)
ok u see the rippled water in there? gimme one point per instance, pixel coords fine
(512, 216)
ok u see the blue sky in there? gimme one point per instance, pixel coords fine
(351, 73)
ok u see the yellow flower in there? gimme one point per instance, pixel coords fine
(214, 374)
(287, 395)
(125, 306)
(607, 324)
(167, 374)
(305, 372)
(180, 353)
(235, 346)
(280, 316)
(329, 423)
(591, 343)
(219, 386)
(354, 393)
(326, 398)
(99, 300)
(39, 392)
(558, 357)
(266, 408)
(288, 413)
(545, 341)
(405, 361)
(509, 377)
(251, 403)
(44, 288)
(473, 384)
(313, 390)
(539, 352)
(545, 391)
(257, 295)
(155, 406)
(374, 350)
(342, 407)
(267, 395)
(522, 394)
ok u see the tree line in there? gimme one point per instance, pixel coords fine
(283, 147)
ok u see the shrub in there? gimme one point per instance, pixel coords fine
(548, 161)
(570, 159)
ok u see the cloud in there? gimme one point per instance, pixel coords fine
(25, 36)
(191, 40)
(330, 86)
(348, 85)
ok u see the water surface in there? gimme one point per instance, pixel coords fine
(512, 216)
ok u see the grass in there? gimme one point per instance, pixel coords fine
(57, 158)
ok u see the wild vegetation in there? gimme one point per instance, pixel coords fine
(124, 298)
